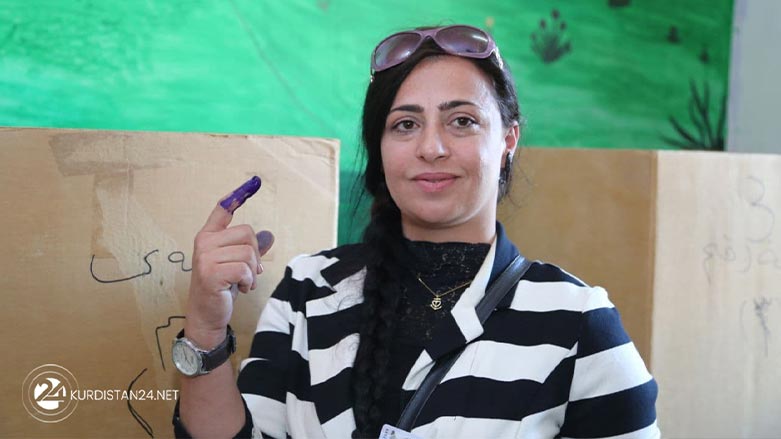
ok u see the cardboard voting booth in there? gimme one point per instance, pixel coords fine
(688, 245)
(97, 232)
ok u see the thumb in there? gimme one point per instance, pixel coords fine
(222, 214)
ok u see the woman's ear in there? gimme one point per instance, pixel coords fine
(510, 141)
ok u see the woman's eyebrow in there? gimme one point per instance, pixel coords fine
(409, 107)
(449, 105)
(453, 104)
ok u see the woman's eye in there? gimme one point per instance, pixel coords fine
(464, 122)
(404, 125)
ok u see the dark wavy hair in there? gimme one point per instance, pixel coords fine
(383, 235)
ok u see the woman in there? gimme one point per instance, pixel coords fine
(350, 333)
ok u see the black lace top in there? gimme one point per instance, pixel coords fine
(441, 266)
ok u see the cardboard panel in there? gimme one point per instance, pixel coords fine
(592, 213)
(97, 231)
(717, 314)
(687, 245)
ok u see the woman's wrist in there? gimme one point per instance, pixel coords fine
(206, 339)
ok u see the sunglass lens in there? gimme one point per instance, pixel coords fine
(463, 40)
(395, 50)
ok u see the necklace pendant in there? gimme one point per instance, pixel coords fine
(436, 304)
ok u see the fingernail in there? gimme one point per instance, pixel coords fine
(240, 195)
(260, 268)
(265, 239)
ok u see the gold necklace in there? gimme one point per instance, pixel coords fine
(436, 302)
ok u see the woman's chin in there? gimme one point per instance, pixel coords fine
(433, 218)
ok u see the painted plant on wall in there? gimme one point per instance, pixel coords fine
(672, 35)
(548, 41)
(704, 133)
(707, 114)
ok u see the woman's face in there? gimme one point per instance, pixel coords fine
(442, 149)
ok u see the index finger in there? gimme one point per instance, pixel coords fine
(222, 214)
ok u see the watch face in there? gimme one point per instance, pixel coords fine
(186, 359)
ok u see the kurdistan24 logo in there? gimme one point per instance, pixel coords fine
(45, 393)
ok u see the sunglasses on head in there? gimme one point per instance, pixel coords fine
(460, 40)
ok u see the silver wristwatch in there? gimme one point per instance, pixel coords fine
(193, 361)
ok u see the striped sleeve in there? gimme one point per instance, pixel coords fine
(612, 394)
(263, 377)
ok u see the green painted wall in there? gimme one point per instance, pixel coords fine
(300, 67)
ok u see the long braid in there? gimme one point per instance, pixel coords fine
(381, 299)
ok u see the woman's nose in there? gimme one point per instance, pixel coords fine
(431, 147)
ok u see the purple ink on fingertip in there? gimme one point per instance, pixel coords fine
(240, 195)
(265, 239)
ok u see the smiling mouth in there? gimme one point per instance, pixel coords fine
(434, 183)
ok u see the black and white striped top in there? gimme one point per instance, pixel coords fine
(553, 360)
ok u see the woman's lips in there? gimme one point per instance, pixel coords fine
(434, 182)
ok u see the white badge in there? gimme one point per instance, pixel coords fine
(391, 432)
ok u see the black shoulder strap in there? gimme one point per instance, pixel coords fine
(501, 286)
